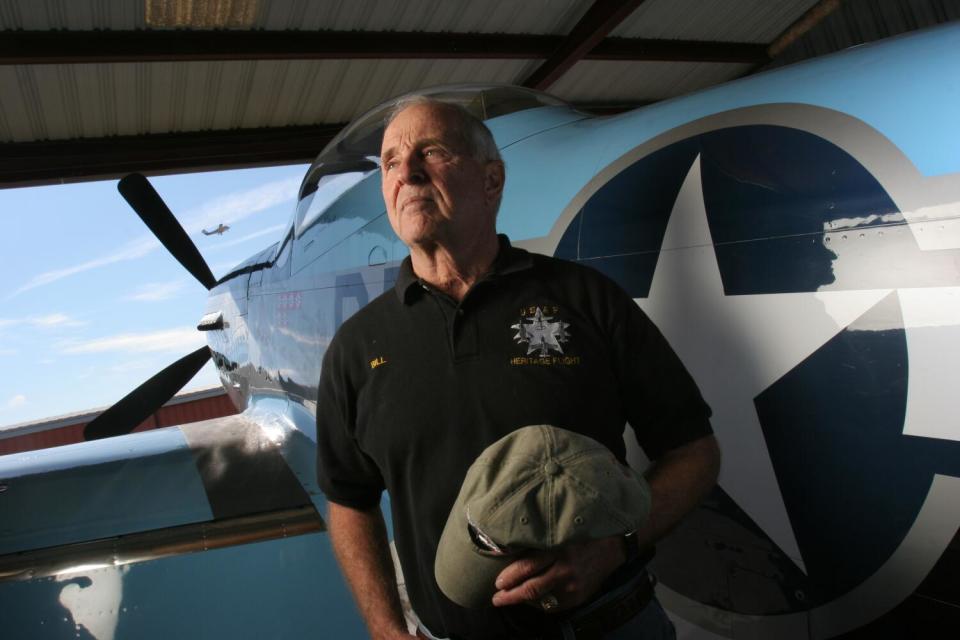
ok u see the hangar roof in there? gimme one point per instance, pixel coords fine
(97, 88)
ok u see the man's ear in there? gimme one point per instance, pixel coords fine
(494, 178)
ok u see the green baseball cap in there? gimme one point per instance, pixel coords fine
(537, 488)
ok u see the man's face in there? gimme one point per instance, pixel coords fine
(435, 191)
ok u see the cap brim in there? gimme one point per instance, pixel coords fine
(465, 575)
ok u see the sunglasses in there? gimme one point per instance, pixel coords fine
(485, 544)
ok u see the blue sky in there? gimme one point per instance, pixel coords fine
(92, 305)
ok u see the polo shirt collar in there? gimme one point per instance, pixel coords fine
(509, 260)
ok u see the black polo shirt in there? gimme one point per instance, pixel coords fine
(414, 386)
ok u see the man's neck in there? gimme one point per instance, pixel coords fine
(454, 270)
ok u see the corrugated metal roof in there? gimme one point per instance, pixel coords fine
(744, 21)
(859, 21)
(100, 100)
(462, 16)
(53, 102)
(601, 83)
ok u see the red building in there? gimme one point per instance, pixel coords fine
(191, 406)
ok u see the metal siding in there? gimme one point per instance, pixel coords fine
(42, 439)
(203, 408)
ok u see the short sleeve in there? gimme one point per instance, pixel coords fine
(345, 473)
(661, 399)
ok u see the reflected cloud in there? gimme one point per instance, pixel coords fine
(307, 340)
(859, 221)
(936, 227)
(94, 599)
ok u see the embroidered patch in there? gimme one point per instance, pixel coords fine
(541, 333)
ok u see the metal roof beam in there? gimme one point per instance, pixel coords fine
(599, 20)
(56, 162)
(93, 47)
(810, 19)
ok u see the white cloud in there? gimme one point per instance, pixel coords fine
(237, 206)
(177, 340)
(256, 234)
(157, 291)
(49, 320)
(130, 251)
(16, 401)
(53, 320)
(227, 209)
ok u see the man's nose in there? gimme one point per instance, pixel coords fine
(411, 170)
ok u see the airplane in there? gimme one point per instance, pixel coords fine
(219, 230)
(796, 236)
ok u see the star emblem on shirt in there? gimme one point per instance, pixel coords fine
(541, 333)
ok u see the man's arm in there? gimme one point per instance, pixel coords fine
(678, 480)
(360, 543)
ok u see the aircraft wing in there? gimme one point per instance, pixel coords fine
(212, 521)
(215, 470)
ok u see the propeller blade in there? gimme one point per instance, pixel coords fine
(124, 416)
(144, 199)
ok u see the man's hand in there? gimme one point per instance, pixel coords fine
(572, 574)
(678, 482)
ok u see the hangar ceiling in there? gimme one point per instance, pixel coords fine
(93, 89)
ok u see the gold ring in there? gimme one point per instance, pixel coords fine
(549, 602)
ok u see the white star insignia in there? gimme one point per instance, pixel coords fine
(541, 334)
(736, 346)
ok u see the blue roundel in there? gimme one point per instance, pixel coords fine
(852, 483)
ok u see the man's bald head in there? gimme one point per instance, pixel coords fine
(476, 138)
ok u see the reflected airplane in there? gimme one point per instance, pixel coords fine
(796, 236)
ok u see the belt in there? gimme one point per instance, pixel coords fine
(594, 623)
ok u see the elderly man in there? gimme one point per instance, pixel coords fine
(419, 382)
